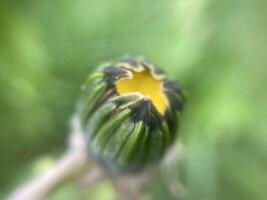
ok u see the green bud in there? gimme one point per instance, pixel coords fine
(129, 113)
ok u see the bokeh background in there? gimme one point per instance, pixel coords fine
(215, 49)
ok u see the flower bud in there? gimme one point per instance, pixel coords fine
(129, 112)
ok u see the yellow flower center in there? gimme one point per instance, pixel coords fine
(147, 84)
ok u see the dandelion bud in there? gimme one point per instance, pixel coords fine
(129, 112)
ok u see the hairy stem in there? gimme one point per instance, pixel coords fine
(74, 163)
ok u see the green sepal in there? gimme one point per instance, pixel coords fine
(108, 128)
(156, 146)
(89, 102)
(98, 118)
(114, 145)
(129, 149)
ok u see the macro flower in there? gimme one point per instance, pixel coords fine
(129, 112)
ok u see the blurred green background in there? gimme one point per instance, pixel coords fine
(216, 49)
